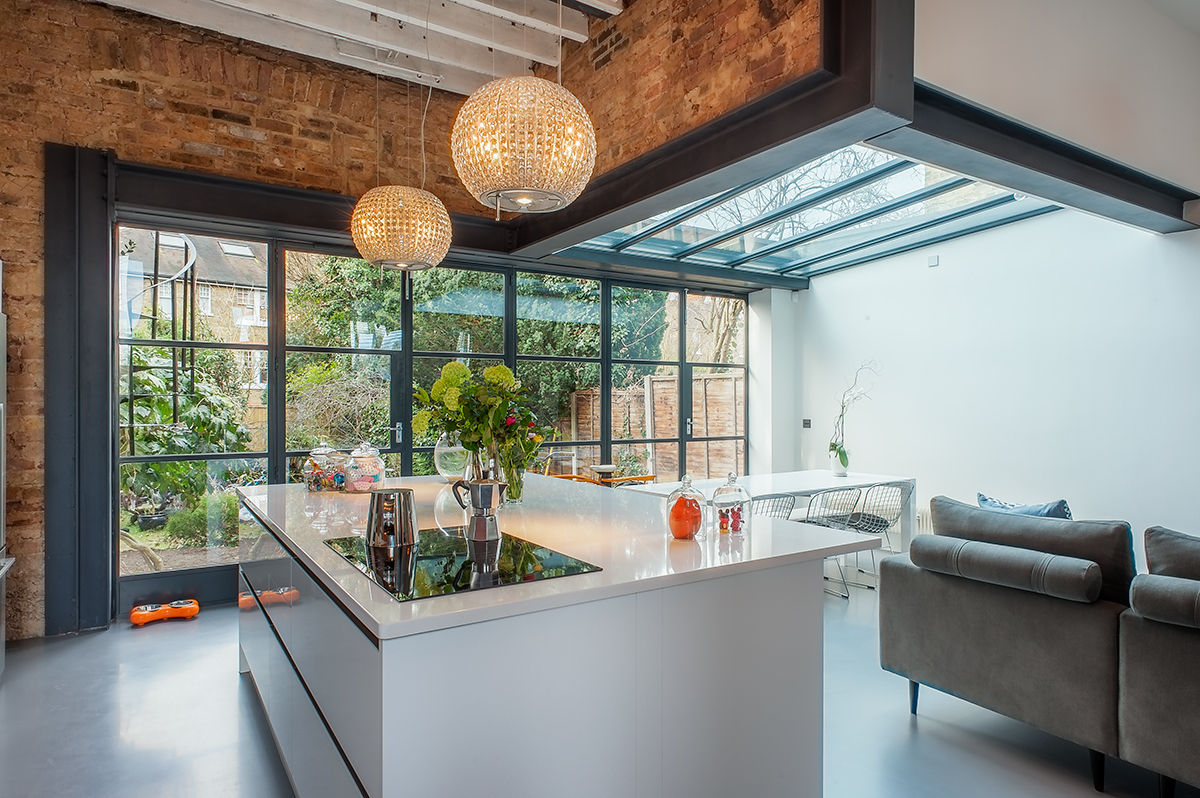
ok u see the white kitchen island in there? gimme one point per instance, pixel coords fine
(681, 668)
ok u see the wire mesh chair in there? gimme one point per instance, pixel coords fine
(773, 505)
(834, 509)
(879, 512)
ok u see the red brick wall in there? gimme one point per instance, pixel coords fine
(160, 93)
(682, 63)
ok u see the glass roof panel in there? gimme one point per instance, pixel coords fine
(886, 224)
(1010, 211)
(760, 200)
(855, 204)
(616, 237)
(870, 197)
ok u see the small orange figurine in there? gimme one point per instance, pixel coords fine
(145, 613)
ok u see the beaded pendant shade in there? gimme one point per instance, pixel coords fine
(523, 144)
(401, 227)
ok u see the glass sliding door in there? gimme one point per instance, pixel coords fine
(559, 350)
(191, 394)
(715, 385)
(458, 314)
(644, 393)
(343, 356)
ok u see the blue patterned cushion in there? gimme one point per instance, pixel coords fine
(1058, 509)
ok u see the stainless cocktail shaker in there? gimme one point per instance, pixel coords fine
(392, 518)
(392, 538)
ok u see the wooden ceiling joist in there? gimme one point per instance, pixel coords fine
(456, 45)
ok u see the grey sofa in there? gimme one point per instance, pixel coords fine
(1017, 614)
(1159, 716)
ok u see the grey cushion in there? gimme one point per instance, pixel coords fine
(1109, 544)
(1172, 553)
(1168, 599)
(1024, 569)
(1159, 697)
(1043, 661)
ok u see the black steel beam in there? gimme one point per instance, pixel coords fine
(863, 89)
(964, 138)
(80, 447)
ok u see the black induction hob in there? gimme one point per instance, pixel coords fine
(445, 562)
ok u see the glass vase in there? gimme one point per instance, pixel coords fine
(450, 457)
(514, 475)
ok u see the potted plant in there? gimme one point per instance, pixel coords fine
(839, 458)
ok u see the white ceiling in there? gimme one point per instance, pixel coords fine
(456, 45)
(1184, 12)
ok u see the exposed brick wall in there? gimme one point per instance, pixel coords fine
(682, 63)
(160, 93)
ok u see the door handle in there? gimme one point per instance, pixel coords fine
(689, 426)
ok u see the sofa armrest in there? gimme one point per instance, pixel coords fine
(1053, 575)
(1167, 599)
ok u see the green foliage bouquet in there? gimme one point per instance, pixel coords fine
(490, 416)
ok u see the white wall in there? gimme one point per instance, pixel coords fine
(1115, 76)
(774, 380)
(1056, 357)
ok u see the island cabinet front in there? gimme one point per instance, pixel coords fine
(700, 680)
(318, 674)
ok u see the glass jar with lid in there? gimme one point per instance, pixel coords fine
(731, 508)
(325, 468)
(685, 510)
(364, 469)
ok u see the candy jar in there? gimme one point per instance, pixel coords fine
(731, 508)
(364, 469)
(324, 468)
(685, 510)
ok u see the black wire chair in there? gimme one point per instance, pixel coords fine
(773, 505)
(834, 509)
(881, 507)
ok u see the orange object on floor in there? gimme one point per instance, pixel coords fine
(145, 613)
(279, 595)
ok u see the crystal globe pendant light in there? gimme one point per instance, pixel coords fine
(400, 227)
(524, 144)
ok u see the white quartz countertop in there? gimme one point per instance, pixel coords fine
(623, 531)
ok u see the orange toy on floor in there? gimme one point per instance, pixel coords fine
(145, 613)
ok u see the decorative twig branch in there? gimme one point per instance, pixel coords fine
(853, 394)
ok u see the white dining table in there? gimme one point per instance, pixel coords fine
(807, 483)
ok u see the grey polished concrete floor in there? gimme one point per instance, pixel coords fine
(161, 712)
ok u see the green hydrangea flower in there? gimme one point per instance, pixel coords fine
(501, 376)
(437, 390)
(455, 373)
(420, 422)
(450, 398)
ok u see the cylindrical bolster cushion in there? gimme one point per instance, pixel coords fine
(1168, 599)
(1054, 575)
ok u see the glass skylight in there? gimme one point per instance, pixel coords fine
(852, 205)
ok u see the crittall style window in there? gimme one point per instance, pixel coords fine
(239, 357)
